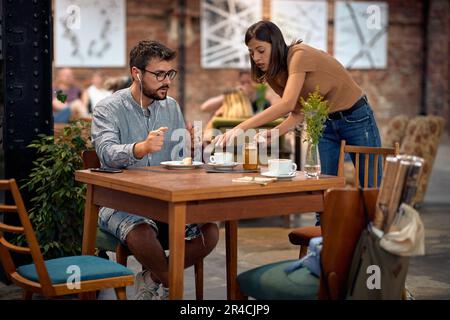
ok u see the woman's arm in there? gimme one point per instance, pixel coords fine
(212, 104)
(295, 118)
(287, 104)
(287, 125)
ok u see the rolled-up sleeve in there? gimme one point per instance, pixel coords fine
(106, 139)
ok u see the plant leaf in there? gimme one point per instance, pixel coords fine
(61, 96)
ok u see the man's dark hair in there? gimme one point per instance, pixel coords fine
(146, 50)
(269, 32)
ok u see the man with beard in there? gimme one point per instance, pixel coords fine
(132, 128)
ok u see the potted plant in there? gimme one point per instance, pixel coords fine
(315, 109)
(58, 200)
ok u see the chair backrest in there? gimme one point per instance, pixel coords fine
(342, 222)
(90, 159)
(27, 229)
(370, 156)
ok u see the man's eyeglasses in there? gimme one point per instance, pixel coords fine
(161, 75)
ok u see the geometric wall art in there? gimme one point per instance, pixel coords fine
(305, 20)
(223, 27)
(89, 33)
(360, 34)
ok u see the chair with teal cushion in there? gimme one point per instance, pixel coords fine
(342, 222)
(55, 277)
(301, 236)
(270, 282)
(90, 267)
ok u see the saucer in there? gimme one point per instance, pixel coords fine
(279, 176)
(222, 166)
(181, 165)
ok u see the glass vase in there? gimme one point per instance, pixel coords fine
(312, 161)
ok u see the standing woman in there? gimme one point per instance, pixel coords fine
(295, 71)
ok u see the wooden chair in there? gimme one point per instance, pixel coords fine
(302, 235)
(54, 277)
(107, 242)
(342, 223)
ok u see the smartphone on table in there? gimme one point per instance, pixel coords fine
(106, 170)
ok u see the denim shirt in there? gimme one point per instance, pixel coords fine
(119, 122)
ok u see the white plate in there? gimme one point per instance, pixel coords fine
(222, 166)
(279, 176)
(181, 165)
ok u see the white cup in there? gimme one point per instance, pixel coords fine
(221, 157)
(282, 166)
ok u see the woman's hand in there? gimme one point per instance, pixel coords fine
(264, 137)
(227, 138)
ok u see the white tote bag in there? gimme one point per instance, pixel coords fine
(407, 235)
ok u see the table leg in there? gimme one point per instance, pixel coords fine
(233, 292)
(177, 222)
(90, 222)
(89, 232)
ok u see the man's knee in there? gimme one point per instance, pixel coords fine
(140, 233)
(210, 233)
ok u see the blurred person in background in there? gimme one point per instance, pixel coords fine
(117, 83)
(248, 87)
(71, 107)
(95, 92)
(242, 101)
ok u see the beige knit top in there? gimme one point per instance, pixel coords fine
(323, 70)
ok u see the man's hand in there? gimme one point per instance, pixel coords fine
(155, 140)
(153, 143)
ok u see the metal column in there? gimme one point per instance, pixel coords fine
(26, 31)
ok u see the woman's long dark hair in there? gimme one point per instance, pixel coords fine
(269, 32)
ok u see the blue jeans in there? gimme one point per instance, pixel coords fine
(360, 129)
(62, 116)
(119, 224)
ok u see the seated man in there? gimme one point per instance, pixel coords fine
(133, 128)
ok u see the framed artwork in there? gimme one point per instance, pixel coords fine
(360, 34)
(223, 26)
(89, 33)
(305, 20)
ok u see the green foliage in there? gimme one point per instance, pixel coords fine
(316, 112)
(61, 96)
(261, 96)
(58, 200)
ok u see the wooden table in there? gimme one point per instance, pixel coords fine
(194, 196)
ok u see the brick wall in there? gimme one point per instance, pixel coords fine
(438, 58)
(392, 91)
